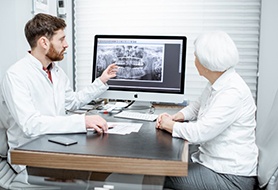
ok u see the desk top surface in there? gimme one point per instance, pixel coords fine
(149, 152)
(148, 143)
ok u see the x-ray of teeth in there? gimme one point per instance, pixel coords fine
(135, 62)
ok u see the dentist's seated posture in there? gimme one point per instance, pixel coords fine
(36, 93)
(222, 121)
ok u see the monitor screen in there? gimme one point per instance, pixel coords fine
(150, 68)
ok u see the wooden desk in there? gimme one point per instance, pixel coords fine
(148, 152)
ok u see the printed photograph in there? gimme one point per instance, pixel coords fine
(40, 6)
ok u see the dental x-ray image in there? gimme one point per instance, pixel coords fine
(135, 62)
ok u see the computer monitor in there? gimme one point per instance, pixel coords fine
(150, 68)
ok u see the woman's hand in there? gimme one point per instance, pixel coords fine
(165, 122)
(178, 117)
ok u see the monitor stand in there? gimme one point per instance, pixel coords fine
(140, 105)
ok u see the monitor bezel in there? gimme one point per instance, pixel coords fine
(133, 92)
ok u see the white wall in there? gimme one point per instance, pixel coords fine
(268, 62)
(14, 14)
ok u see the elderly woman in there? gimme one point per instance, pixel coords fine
(222, 122)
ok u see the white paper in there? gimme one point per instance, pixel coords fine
(123, 128)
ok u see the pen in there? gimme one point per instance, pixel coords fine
(109, 112)
(104, 111)
(94, 131)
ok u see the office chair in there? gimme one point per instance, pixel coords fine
(6, 173)
(267, 141)
(3, 131)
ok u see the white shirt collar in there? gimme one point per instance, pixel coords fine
(222, 80)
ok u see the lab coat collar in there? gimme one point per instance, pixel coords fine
(37, 63)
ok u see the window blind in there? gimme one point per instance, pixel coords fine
(239, 18)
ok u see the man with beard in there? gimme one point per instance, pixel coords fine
(36, 94)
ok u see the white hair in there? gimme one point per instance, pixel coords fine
(216, 51)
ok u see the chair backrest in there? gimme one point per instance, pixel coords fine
(267, 141)
(3, 129)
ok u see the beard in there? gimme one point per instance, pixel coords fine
(54, 55)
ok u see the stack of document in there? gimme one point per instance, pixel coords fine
(123, 128)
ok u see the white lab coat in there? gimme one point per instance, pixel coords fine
(38, 106)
